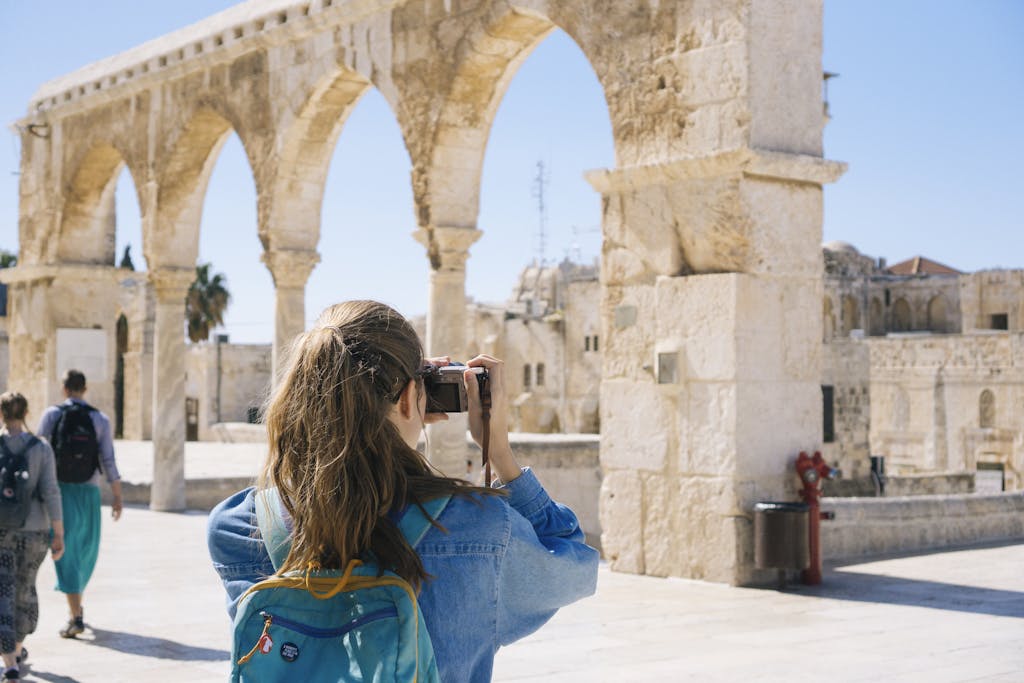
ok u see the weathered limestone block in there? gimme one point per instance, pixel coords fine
(644, 440)
(628, 339)
(710, 424)
(622, 520)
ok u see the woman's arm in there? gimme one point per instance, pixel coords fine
(236, 548)
(547, 564)
(47, 487)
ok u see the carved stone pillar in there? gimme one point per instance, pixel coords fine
(711, 355)
(170, 286)
(448, 249)
(290, 269)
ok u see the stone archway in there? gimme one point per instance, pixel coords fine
(901, 317)
(711, 262)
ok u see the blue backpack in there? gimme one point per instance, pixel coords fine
(330, 625)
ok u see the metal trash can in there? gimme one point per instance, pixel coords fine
(781, 536)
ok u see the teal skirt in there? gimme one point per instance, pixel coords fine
(81, 503)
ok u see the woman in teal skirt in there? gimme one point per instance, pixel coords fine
(81, 501)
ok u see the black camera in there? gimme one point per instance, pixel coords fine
(446, 389)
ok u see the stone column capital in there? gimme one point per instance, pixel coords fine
(783, 166)
(172, 284)
(447, 245)
(290, 267)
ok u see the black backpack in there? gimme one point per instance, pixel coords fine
(75, 445)
(15, 496)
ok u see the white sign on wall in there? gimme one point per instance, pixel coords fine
(84, 350)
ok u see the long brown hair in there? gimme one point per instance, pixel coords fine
(338, 462)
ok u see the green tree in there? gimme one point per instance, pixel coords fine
(8, 259)
(207, 301)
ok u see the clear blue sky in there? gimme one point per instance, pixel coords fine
(925, 111)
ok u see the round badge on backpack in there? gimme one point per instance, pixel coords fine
(289, 652)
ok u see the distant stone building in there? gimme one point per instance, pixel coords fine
(549, 338)
(925, 365)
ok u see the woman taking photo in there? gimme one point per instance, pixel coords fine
(25, 536)
(343, 426)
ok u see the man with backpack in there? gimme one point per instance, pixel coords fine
(84, 448)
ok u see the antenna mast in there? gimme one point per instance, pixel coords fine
(540, 182)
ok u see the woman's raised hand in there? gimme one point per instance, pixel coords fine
(500, 453)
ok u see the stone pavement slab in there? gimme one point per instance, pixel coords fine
(155, 609)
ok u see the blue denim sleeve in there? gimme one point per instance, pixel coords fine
(238, 553)
(546, 565)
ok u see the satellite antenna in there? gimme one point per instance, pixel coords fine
(540, 182)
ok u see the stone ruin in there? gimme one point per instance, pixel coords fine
(711, 283)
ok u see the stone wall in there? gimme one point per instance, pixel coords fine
(244, 371)
(846, 367)
(929, 484)
(569, 467)
(946, 403)
(989, 293)
(871, 526)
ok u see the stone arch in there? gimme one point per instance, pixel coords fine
(987, 409)
(488, 61)
(876, 318)
(828, 319)
(89, 220)
(938, 320)
(181, 186)
(851, 315)
(289, 215)
(901, 318)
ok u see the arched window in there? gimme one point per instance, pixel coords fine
(828, 320)
(937, 314)
(876, 318)
(851, 315)
(901, 316)
(987, 410)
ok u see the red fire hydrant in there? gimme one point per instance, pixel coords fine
(812, 469)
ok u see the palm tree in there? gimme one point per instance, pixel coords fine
(206, 303)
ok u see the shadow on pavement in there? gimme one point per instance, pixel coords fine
(31, 674)
(147, 646)
(864, 587)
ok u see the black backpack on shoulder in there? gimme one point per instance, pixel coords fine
(75, 446)
(15, 496)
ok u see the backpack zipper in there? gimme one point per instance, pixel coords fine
(315, 632)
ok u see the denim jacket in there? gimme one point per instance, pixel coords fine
(504, 567)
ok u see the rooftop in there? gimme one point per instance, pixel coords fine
(919, 265)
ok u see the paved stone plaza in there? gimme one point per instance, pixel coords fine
(155, 611)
